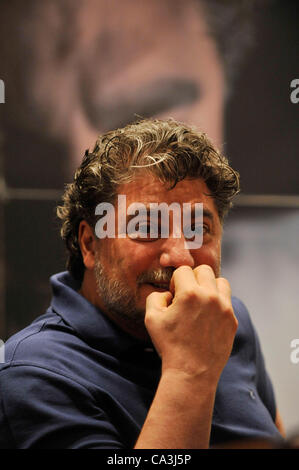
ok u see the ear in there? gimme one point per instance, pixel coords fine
(87, 242)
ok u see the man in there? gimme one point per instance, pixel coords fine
(142, 346)
(75, 68)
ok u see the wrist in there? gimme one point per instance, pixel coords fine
(191, 377)
(199, 387)
(181, 413)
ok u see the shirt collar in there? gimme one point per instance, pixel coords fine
(87, 320)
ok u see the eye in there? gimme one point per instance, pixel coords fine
(143, 232)
(199, 229)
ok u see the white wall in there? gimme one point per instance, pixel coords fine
(261, 260)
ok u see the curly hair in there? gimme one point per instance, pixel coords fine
(167, 149)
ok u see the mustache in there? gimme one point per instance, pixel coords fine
(156, 275)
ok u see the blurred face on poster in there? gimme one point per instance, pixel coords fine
(88, 67)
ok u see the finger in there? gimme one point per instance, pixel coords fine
(224, 287)
(158, 300)
(205, 276)
(182, 279)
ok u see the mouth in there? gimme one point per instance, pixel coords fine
(159, 286)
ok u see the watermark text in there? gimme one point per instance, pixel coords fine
(294, 96)
(2, 92)
(150, 222)
(294, 356)
(2, 348)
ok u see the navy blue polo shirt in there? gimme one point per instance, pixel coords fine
(73, 379)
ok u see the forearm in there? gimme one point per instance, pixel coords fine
(193, 333)
(180, 415)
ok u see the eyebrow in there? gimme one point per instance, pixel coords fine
(206, 213)
(146, 100)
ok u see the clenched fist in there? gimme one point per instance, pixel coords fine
(193, 326)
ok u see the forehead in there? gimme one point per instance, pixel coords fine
(148, 188)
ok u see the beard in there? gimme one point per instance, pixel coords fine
(119, 300)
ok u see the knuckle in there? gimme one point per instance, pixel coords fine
(206, 267)
(180, 270)
(228, 309)
(202, 296)
(230, 315)
(150, 313)
(149, 318)
(236, 323)
(224, 287)
(224, 282)
(151, 299)
(189, 296)
(213, 299)
(184, 267)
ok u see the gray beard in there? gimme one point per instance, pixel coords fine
(118, 300)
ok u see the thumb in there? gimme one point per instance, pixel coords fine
(158, 300)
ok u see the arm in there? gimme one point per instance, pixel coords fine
(181, 414)
(193, 331)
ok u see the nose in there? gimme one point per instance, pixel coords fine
(174, 254)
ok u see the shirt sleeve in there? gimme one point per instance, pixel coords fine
(244, 403)
(262, 380)
(42, 409)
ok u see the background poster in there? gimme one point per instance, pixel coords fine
(71, 69)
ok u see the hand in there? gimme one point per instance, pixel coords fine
(193, 326)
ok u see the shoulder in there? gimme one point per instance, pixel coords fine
(42, 359)
(247, 337)
(247, 348)
(246, 329)
(240, 310)
(248, 354)
(41, 343)
(245, 388)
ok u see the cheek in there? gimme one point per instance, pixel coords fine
(140, 256)
(209, 255)
(132, 258)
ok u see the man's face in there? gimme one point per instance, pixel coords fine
(127, 268)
